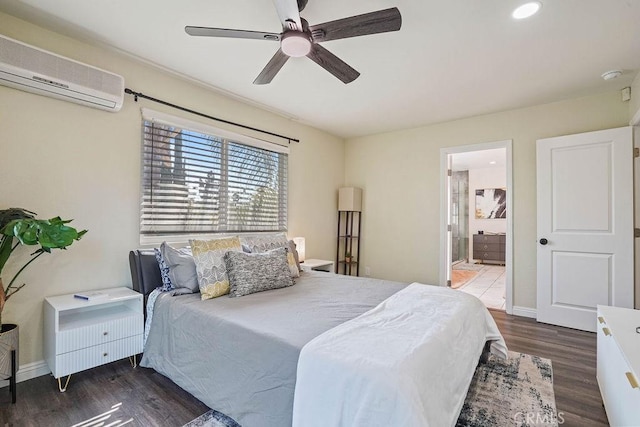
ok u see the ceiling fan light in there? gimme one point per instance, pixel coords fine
(295, 44)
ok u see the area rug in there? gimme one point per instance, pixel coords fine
(460, 277)
(467, 266)
(514, 392)
(212, 418)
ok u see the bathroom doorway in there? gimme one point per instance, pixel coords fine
(476, 211)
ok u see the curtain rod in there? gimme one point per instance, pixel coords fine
(137, 95)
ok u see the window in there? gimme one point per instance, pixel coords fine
(199, 179)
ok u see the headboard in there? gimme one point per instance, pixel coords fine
(145, 273)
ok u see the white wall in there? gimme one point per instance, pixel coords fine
(64, 159)
(479, 179)
(400, 174)
(634, 103)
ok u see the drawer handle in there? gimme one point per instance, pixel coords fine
(486, 247)
(105, 333)
(105, 354)
(606, 331)
(600, 319)
(632, 380)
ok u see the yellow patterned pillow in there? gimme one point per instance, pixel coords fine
(212, 272)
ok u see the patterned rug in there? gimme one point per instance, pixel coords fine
(515, 392)
(212, 418)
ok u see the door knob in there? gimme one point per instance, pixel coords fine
(543, 241)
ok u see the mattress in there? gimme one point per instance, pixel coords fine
(239, 355)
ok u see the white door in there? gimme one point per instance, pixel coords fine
(585, 226)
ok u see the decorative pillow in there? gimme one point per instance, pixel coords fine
(210, 266)
(259, 243)
(164, 271)
(182, 269)
(257, 272)
(293, 248)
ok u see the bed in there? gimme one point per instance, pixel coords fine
(240, 356)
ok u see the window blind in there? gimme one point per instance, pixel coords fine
(198, 179)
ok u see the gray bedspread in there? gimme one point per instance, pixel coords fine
(239, 355)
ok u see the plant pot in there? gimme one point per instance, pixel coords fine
(8, 341)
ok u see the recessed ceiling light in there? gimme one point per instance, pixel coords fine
(493, 162)
(527, 10)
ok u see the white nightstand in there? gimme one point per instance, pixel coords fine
(317, 265)
(81, 334)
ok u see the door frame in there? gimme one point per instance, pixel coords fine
(445, 266)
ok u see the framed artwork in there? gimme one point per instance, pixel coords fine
(491, 203)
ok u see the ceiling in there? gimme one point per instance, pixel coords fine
(484, 159)
(451, 59)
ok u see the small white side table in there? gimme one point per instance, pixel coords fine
(317, 265)
(82, 334)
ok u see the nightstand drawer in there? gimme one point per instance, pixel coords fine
(99, 333)
(79, 360)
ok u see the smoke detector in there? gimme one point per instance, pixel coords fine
(612, 74)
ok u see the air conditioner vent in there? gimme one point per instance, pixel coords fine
(35, 70)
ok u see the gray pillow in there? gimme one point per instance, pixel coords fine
(257, 272)
(182, 269)
(266, 242)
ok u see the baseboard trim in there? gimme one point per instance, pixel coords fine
(29, 371)
(525, 312)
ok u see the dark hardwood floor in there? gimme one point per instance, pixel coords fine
(150, 399)
(573, 358)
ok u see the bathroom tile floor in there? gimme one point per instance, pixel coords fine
(489, 286)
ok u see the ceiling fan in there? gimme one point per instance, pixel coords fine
(299, 39)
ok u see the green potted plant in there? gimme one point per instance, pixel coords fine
(20, 227)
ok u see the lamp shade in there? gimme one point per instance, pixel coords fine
(350, 199)
(299, 241)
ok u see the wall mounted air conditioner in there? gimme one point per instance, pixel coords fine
(35, 70)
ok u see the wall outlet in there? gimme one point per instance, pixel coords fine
(367, 271)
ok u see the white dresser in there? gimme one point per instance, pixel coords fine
(619, 364)
(81, 334)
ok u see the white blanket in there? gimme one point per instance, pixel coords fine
(407, 362)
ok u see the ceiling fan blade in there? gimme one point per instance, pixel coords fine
(271, 69)
(236, 34)
(381, 21)
(289, 14)
(332, 63)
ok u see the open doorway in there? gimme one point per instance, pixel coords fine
(476, 211)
